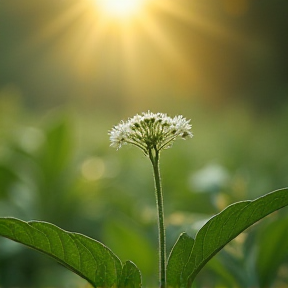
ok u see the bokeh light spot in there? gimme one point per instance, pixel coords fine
(93, 169)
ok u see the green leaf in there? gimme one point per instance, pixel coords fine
(86, 257)
(220, 230)
(178, 259)
(131, 276)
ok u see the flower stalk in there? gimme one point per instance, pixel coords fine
(160, 211)
(151, 133)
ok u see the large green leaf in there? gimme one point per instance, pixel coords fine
(217, 232)
(86, 257)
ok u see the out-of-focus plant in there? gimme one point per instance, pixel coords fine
(101, 267)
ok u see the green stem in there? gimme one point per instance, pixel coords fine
(161, 228)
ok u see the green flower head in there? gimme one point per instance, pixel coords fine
(150, 131)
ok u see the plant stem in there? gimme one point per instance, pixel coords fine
(161, 228)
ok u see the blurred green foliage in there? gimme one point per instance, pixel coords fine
(58, 167)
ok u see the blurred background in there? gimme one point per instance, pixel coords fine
(71, 69)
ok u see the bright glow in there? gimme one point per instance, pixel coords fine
(120, 8)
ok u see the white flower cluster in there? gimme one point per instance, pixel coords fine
(150, 131)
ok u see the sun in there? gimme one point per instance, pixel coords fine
(120, 8)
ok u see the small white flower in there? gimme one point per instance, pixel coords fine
(150, 131)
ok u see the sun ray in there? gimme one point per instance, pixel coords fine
(202, 22)
(162, 41)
